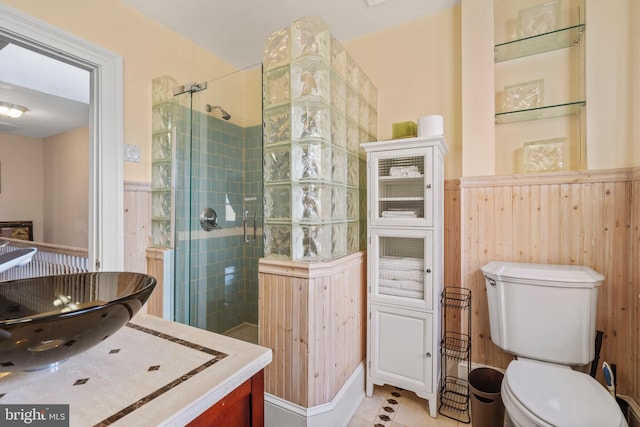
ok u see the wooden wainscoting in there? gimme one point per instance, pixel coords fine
(581, 218)
(452, 249)
(313, 318)
(155, 268)
(452, 233)
(137, 225)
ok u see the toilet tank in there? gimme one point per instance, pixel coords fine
(543, 312)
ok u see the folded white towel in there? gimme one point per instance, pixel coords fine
(398, 171)
(401, 263)
(399, 214)
(407, 285)
(402, 293)
(415, 275)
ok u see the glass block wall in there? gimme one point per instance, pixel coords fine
(163, 121)
(319, 105)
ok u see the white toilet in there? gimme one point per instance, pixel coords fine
(545, 315)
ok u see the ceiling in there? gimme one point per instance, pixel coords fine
(233, 30)
(57, 100)
(236, 30)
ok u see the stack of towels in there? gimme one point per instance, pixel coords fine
(398, 214)
(404, 171)
(401, 276)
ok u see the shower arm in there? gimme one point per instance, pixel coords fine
(225, 115)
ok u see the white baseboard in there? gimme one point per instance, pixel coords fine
(282, 413)
(462, 369)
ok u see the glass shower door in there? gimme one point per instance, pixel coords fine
(218, 208)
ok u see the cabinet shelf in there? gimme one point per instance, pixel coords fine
(401, 178)
(405, 194)
(547, 112)
(533, 45)
(401, 199)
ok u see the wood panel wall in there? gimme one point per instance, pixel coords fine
(155, 268)
(137, 225)
(581, 218)
(313, 318)
(452, 233)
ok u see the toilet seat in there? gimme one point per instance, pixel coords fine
(547, 394)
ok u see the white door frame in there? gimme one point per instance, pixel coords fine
(106, 146)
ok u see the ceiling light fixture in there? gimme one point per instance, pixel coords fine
(11, 110)
(372, 3)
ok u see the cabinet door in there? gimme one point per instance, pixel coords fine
(401, 187)
(401, 264)
(401, 347)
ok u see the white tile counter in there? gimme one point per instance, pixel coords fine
(152, 372)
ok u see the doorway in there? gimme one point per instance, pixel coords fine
(105, 222)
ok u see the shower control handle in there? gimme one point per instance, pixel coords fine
(209, 219)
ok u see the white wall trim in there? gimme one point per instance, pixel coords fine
(106, 200)
(338, 412)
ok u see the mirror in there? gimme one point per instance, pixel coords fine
(45, 151)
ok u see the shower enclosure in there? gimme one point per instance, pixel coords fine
(214, 203)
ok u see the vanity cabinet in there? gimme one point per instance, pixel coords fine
(244, 406)
(405, 185)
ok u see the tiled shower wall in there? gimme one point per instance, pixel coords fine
(227, 177)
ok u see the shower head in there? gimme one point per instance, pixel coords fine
(224, 113)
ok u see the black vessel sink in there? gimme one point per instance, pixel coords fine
(46, 320)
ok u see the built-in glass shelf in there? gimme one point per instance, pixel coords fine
(546, 42)
(540, 112)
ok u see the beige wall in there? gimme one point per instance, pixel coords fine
(416, 68)
(477, 86)
(440, 64)
(610, 89)
(149, 50)
(609, 82)
(239, 93)
(66, 188)
(21, 181)
(46, 181)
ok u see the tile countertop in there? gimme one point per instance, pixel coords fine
(152, 372)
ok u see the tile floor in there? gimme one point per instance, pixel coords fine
(388, 407)
(245, 331)
(392, 407)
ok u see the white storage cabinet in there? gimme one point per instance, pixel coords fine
(405, 183)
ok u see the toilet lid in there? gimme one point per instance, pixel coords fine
(562, 397)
